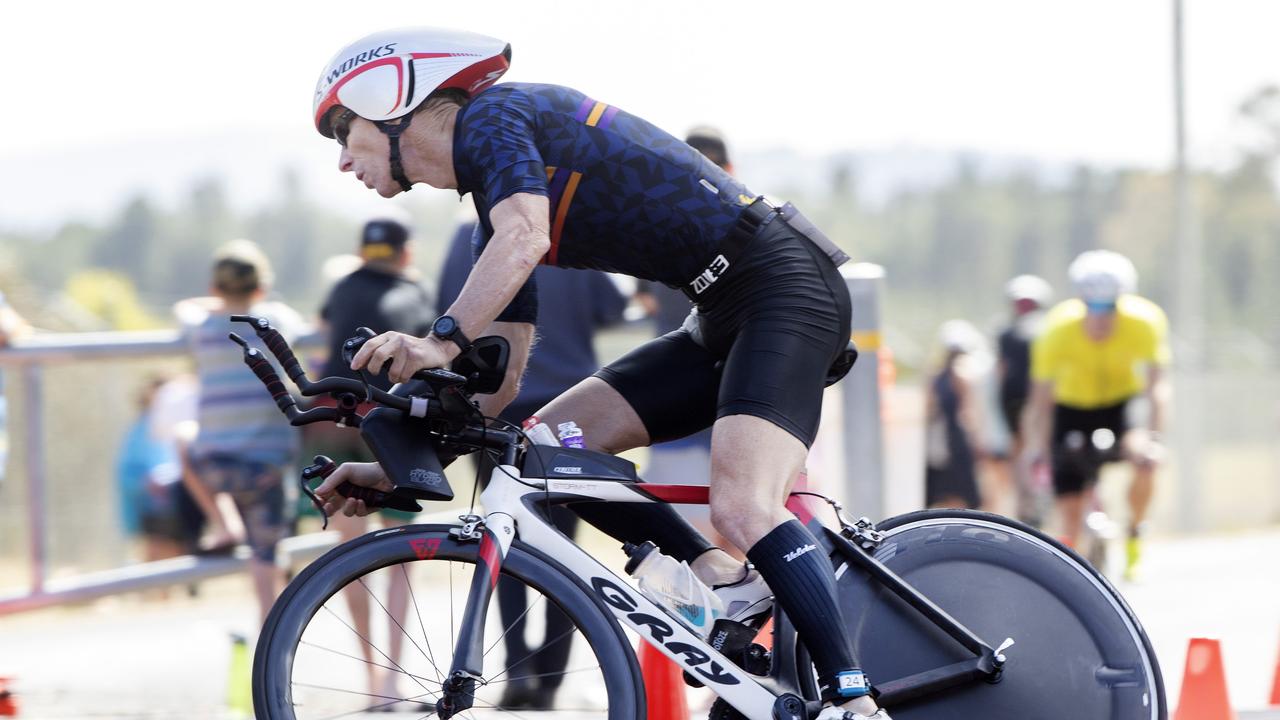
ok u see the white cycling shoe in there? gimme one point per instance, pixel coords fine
(837, 713)
(745, 599)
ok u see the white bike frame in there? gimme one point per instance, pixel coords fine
(508, 502)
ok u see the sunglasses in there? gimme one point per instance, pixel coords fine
(341, 125)
(1100, 308)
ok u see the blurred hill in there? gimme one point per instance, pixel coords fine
(36, 194)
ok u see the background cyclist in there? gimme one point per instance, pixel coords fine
(1096, 354)
(1028, 297)
(563, 179)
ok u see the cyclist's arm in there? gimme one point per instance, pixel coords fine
(521, 237)
(1037, 418)
(970, 414)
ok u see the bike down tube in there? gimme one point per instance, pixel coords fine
(654, 624)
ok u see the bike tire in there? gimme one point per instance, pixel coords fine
(1080, 652)
(413, 545)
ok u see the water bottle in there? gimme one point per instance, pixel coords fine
(671, 584)
(539, 433)
(571, 435)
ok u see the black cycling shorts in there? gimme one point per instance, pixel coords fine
(760, 343)
(1076, 461)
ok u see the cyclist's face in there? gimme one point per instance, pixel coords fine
(1099, 325)
(365, 152)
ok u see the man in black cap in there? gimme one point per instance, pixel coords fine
(382, 294)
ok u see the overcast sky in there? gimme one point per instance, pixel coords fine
(1055, 79)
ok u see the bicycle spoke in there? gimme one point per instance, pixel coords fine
(360, 659)
(404, 632)
(310, 686)
(513, 623)
(370, 644)
(417, 611)
(542, 675)
(549, 643)
(370, 708)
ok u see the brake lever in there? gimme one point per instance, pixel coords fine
(322, 467)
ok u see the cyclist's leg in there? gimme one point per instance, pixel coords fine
(607, 407)
(1074, 473)
(1133, 448)
(784, 331)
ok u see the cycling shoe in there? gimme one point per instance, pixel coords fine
(835, 713)
(746, 599)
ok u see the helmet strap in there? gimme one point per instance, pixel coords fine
(393, 133)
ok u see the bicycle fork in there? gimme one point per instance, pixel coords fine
(495, 534)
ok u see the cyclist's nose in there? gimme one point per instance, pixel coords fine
(344, 160)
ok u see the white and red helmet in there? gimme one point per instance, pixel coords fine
(388, 74)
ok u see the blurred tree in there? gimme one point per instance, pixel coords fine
(110, 297)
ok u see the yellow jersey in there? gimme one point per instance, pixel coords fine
(1087, 374)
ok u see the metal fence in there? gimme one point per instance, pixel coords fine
(68, 396)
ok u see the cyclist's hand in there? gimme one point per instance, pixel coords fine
(363, 474)
(402, 355)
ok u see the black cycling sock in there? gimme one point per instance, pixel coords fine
(804, 585)
(637, 522)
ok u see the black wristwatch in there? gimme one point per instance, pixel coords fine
(446, 328)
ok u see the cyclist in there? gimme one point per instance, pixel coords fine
(563, 179)
(1086, 371)
(1029, 296)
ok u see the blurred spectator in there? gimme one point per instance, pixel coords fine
(951, 424)
(12, 326)
(572, 305)
(154, 503)
(1028, 297)
(244, 447)
(381, 293)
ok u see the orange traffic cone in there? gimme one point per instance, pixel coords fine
(8, 703)
(1275, 685)
(764, 638)
(1204, 684)
(663, 685)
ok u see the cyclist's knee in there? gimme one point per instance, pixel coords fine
(742, 518)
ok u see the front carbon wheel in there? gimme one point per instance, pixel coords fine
(371, 627)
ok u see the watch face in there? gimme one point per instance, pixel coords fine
(444, 326)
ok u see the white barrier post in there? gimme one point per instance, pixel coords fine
(863, 440)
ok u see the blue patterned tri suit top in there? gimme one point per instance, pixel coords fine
(625, 196)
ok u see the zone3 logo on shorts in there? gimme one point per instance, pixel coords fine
(710, 275)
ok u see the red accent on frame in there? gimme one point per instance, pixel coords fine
(425, 548)
(682, 494)
(489, 555)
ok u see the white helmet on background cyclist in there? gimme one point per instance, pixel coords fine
(1028, 293)
(1102, 276)
(959, 336)
(387, 75)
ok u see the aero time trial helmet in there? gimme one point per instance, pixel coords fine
(1102, 276)
(387, 75)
